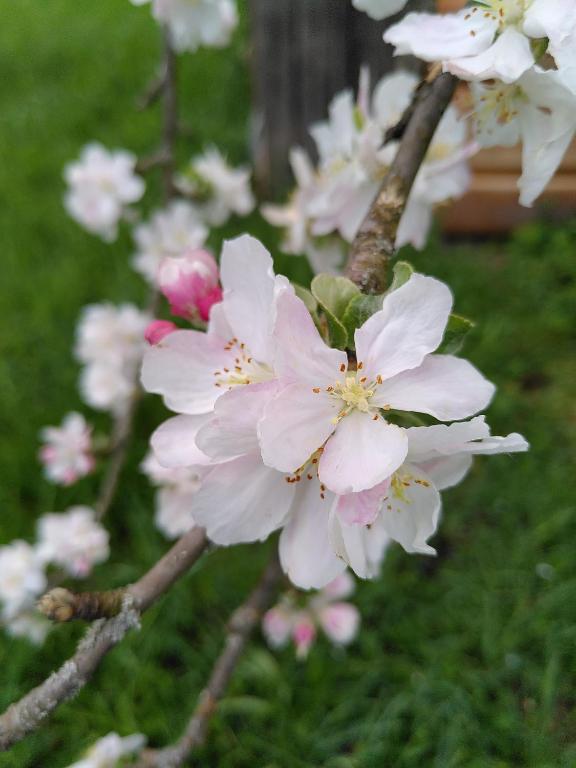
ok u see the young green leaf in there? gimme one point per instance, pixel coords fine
(456, 331)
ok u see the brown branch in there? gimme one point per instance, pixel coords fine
(374, 244)
(26, 715)
(241, 625)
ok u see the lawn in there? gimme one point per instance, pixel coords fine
(468, 659)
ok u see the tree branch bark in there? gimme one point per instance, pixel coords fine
(241, 625)
(27, 715)
(374, 244)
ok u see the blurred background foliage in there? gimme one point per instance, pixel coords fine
(464, 660)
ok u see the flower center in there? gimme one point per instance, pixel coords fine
(506, 12)
(355, 393)
(246, 369)
(500, 103)
(400, 483)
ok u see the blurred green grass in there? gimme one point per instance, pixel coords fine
(464, 660)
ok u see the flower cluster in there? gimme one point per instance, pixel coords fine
(195, 23)
(335, 197)
(292, 434)
(174, 497)
(67, 451)
(108, 751)
(109, 343)
(326, 610)
(101, 184)
(520, 55)
(73, 540)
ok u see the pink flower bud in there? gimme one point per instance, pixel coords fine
(190, 283)
(303, 634)
(340, 622)
(157, 330)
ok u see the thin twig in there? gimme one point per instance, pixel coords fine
(241, 625)
(27, 715)
(153, 90)
(374, 244)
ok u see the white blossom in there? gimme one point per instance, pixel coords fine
(379, 9)
(108, 751)
(67, 450)
(101, 184)
(170, 232)
(195, 23)
(22, 577)
(28, 624)
(74, 540)
(174, 497)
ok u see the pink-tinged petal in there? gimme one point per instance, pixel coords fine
(447, 471)
(340, 622)
(340, 587)
(158, 330)
(409, 326)
(218, 325)
(190, 283)
(411, 513)
(506, 59)
(306, 554)
(249, 293)
(303, 634)
(242, 500)
(182, 368)
(435, 37)
(232, 431)
(361, 547)
(174, 442)
(362, 453)
(444, 386)
(302, 355)
(362, 508)
(295, 424)
(277, 626)
(427, 442)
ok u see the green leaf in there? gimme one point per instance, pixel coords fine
(307, 298)
(402, 271)
(456, 331)
(334, 294)
(360, 308)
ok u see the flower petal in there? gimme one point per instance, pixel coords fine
(306, 553)
(444, 386)
(361, 547)
(434, 37)
(409, 326)
(447, 471)
(181, 368)
(340, 622)
(295, 424)
(427, 442)
(506, 59)
(302, 354)
(242, 500)
(174, 442)
(362, 453)
(362, 508)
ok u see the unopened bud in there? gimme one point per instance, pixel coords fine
(190, 283)
(157, 330)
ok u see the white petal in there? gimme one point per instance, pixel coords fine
(554, 19)
(447, 471)
(242, 500)
(412, 516)
(339, 588)
(174, 442)
(249, 290)
(340, 622)
(427, 442)
(232, 431)
(414, 224)
(302, 354)
(409, 326)
(306, 553)
(361, 547)
(506, 59)
(444, 386)
(379, 9)
(433, 37)
(362, 453)
(295, 424)
(181, 368)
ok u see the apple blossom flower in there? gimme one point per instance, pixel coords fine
(173, 231)
(328, 410)
(101, 184)
(174, 498)
(28, 624)
(221, 189)
(379, 9)
(494, 39)
(158, 330)
(195, 23)
(74, 540)
(109, 751)
(22, 577)
(326, 610)
(67, 450)
(110, 343)
(191, 284)
(538, 110)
